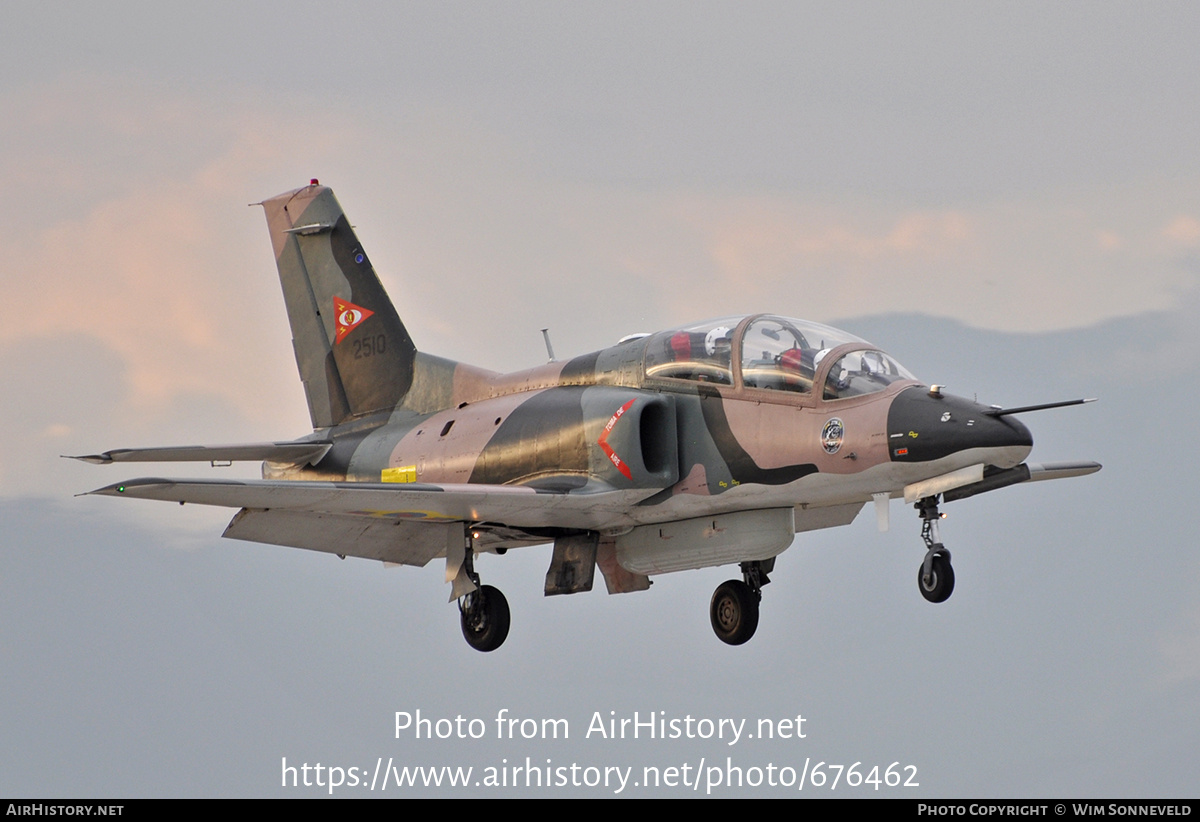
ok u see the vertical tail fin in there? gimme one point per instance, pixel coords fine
(354, 354)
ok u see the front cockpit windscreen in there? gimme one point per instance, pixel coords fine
(863, 372)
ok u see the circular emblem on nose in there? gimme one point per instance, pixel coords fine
(832, 435)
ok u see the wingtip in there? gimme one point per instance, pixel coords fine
(1062, 470)
(94, 459)
(126, 488)
(114, 490)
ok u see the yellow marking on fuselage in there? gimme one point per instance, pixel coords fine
(405, 473)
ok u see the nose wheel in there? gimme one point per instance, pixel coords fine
(937, 581)
(935, 577)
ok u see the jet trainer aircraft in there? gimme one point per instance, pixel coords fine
(709, 444)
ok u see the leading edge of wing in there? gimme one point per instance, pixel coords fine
(298, 452)
(517, 506)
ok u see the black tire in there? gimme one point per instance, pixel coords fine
(941, 583)
(734, 612)
(485, 624)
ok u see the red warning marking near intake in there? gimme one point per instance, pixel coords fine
(608, 450)
(348, 317)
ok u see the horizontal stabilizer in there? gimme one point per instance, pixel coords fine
(296, 452)
(311, 228)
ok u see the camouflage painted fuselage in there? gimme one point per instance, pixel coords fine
(679, 430)
(703, 445)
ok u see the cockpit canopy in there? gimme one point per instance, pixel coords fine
(772, 353)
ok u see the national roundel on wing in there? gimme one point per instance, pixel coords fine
(348, 317)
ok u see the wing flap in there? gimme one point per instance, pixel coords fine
(387, 540)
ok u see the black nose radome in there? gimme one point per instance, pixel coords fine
(923, 427)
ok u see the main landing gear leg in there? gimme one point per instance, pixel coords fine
(484, 611)
(734, 607)
(935, 578)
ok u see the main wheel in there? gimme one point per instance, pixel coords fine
(941, 580)
(485, 619)
(734, 612)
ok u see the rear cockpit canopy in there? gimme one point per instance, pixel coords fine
(764, 352)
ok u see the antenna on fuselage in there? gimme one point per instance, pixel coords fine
(549, 347)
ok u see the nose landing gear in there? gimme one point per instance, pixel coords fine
(937, 581)
(935, 577)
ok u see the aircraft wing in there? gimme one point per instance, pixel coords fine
(1060, 470)
(408, 524)
(298, 452)
(512, 505)
(994, 478)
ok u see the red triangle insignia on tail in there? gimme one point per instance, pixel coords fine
(348, 317)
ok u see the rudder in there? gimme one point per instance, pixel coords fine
(354, 354)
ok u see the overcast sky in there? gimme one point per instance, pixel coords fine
(1005, 196)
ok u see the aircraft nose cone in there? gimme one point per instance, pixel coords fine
(923, 427)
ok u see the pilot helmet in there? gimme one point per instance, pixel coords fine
(717, 340)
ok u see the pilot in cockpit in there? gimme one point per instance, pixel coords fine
(718, 345)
